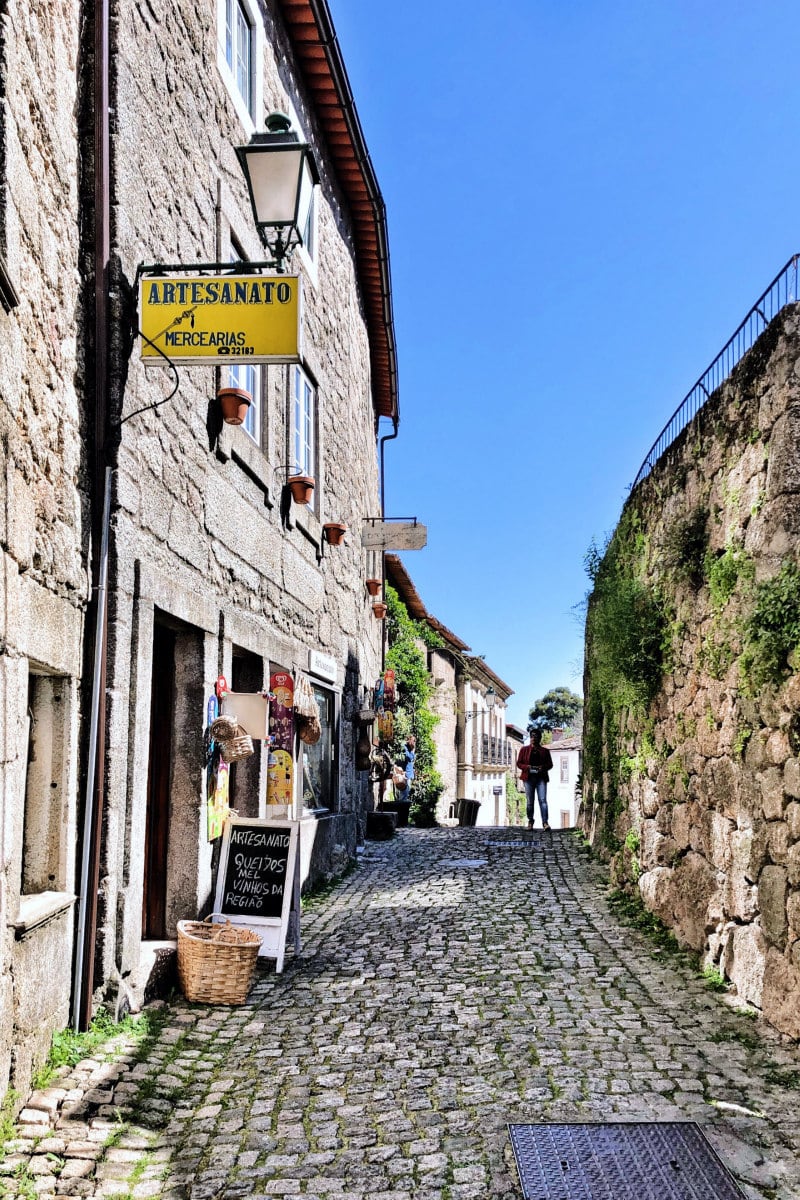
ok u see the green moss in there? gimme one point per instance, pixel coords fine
(724, 571)
(771, 632)
(685, 545)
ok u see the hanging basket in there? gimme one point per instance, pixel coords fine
(309, 730)
(301, 487)
(216, 961)
(234, 403)
(236, 748)
(224, 728)
(333, 532)
(373, 586)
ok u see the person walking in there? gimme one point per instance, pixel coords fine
(534, 764)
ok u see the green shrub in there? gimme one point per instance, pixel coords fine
(413, 713)
(724, 571)
(772, 630)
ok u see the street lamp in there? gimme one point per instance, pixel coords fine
(490, 697)
(281, 173)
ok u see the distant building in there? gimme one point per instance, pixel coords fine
(473, 754)
(566, 751)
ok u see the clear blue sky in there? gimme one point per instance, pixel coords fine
(584, 199)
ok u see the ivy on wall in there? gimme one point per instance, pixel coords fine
(413, 712)
(628, 639)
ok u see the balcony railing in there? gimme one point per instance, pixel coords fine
(496, 751)
(782, 291)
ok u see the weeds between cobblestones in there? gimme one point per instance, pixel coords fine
(447, 986)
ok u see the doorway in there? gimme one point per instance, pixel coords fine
(156, 845)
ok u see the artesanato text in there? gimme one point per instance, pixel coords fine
(216, 291)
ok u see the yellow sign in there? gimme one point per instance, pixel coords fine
(210, 319)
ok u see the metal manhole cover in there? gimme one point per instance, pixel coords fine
(619, 1161)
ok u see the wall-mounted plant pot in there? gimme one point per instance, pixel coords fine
(234, 403)
(302, 488)
(334, 532)
(373, 586)
(380, 609)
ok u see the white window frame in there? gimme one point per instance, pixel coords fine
(303, 436)
(564, 768)
(307, 250)
(248, 376)
(248, 108)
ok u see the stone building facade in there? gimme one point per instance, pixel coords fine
(473, 754)
(692, 719)
(127, 157)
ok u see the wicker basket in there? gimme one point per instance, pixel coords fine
(216, 962)
(238, 747)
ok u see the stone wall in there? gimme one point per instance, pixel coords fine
(43, 580)
(201, 538)
(692, 686)
(201, 543)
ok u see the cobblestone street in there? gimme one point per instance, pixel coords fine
(455, 981)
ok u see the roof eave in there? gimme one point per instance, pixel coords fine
(310, 28)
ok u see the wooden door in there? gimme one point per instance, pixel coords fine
(162, 709)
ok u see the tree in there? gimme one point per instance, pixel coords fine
(558, 709)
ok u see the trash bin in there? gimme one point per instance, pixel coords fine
(472, 807)
(467, 811)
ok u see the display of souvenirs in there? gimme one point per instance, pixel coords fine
(389, 690)
(218, 802)
(280, 765)
(217, 793)
(385, 725)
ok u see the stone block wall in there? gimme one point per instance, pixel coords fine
(692, 774)
(201, 537)
(43, 541)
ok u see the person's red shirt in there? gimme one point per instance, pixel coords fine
(538, 756)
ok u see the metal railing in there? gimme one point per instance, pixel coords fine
(496, 751)
(782, 291)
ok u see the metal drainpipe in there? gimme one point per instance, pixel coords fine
(83, 984)
(388, 438)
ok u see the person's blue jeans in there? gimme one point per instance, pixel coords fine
(536, 789)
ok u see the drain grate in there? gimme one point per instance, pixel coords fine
(619, 1161)
(499, 844)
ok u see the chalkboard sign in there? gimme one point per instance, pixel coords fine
(256, 878)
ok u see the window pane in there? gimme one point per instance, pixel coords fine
(229, 33)
(244, 56)
(318, 760)
(248, 377)
(302, 436)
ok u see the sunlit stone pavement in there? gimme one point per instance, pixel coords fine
(457, 980)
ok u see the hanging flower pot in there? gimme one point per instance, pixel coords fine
(379, 608)
(302, 488)
(334, 532)
(234, 403)
(373, 586)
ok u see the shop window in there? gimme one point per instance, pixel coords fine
(247, 675)
(320, 760)
(46, 784)
(564, 765)
(303, 424)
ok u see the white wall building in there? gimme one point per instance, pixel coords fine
(562, 801)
